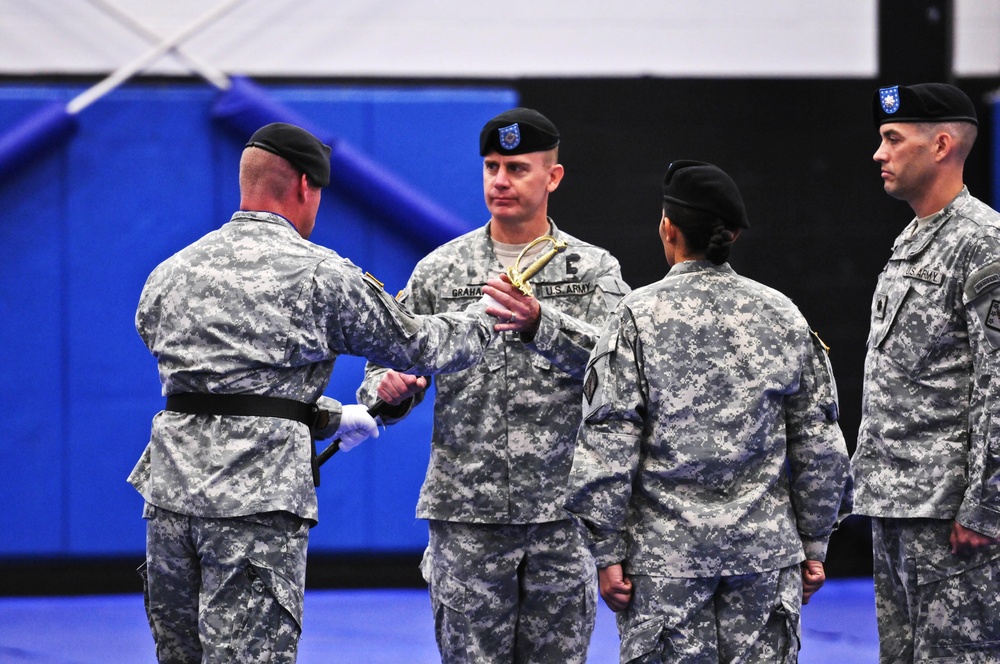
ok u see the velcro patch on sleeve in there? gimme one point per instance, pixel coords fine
(590, 385)
(403, 316)
(987, 312)
(982, 294)
(982, 282)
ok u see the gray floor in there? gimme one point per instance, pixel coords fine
(371, 626)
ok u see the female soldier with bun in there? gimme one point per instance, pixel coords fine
(710, 469)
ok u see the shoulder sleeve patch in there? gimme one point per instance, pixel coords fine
(613, 289)
(987, 313)
(831, 400)
(594, 386)
(590, 385)
(982, 297)
(982, 281)
(400, 313)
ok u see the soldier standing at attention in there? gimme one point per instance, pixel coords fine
(246, 324)
(710, 469)
(510, 579)
(928, 457)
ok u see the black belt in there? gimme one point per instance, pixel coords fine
(242, 404)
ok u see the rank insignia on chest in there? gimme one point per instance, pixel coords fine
(880, 304)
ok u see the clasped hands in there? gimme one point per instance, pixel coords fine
(515, 311)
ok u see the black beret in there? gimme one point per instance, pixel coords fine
(707, 188)
(924, 102)
(300, 148)
(518, 131)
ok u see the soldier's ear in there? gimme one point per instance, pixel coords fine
(556, 173)
(667, 230)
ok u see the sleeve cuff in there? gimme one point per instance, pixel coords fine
(609, 552)
(545, 336)
(981, 519)
(390, 414)
(815, 549)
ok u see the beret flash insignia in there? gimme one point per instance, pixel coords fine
(889, 98)
(510, 136)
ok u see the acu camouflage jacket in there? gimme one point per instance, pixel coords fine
(504, 429)
(929, 443)
(710, 444)
(252, 308)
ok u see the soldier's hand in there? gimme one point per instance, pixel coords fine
(616, 588)
(522, 312)
(356, 426)
(396, 387)
(813, 578)
(965, 541)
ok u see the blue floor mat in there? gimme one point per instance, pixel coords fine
(371, 626)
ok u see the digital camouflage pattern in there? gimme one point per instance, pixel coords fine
(504, 429)
(746, 618)
(245, 605)
(929, 443)
(710, 444)
(931, 604)
(252, 308)
(503, 441)
(484, 613)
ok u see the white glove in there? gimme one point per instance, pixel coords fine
(356, 425)
(490, 302)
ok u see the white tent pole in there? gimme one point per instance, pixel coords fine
(123, 73)
(213, 75)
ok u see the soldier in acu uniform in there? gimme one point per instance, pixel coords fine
(246, 324)
(928, 457)
(710, 469)
(510, 579)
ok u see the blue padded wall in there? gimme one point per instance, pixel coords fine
(146, 172)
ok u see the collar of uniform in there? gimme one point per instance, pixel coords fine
(553, 231)
(909, 243)
(489, 258)
(261, 215)
(689, 267)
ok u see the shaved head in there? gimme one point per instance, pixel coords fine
(265, 175)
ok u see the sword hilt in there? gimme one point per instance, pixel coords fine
(519, 278)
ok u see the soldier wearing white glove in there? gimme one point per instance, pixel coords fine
(353, 425)
(356, 425)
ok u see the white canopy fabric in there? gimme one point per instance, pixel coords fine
(453, 38)
(469, 39)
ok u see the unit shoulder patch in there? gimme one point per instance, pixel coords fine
(590, 385)
(982, 281)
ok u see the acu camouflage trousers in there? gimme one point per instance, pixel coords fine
(225, 590)
(505, 594)
(729, 619)
(933, 605)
